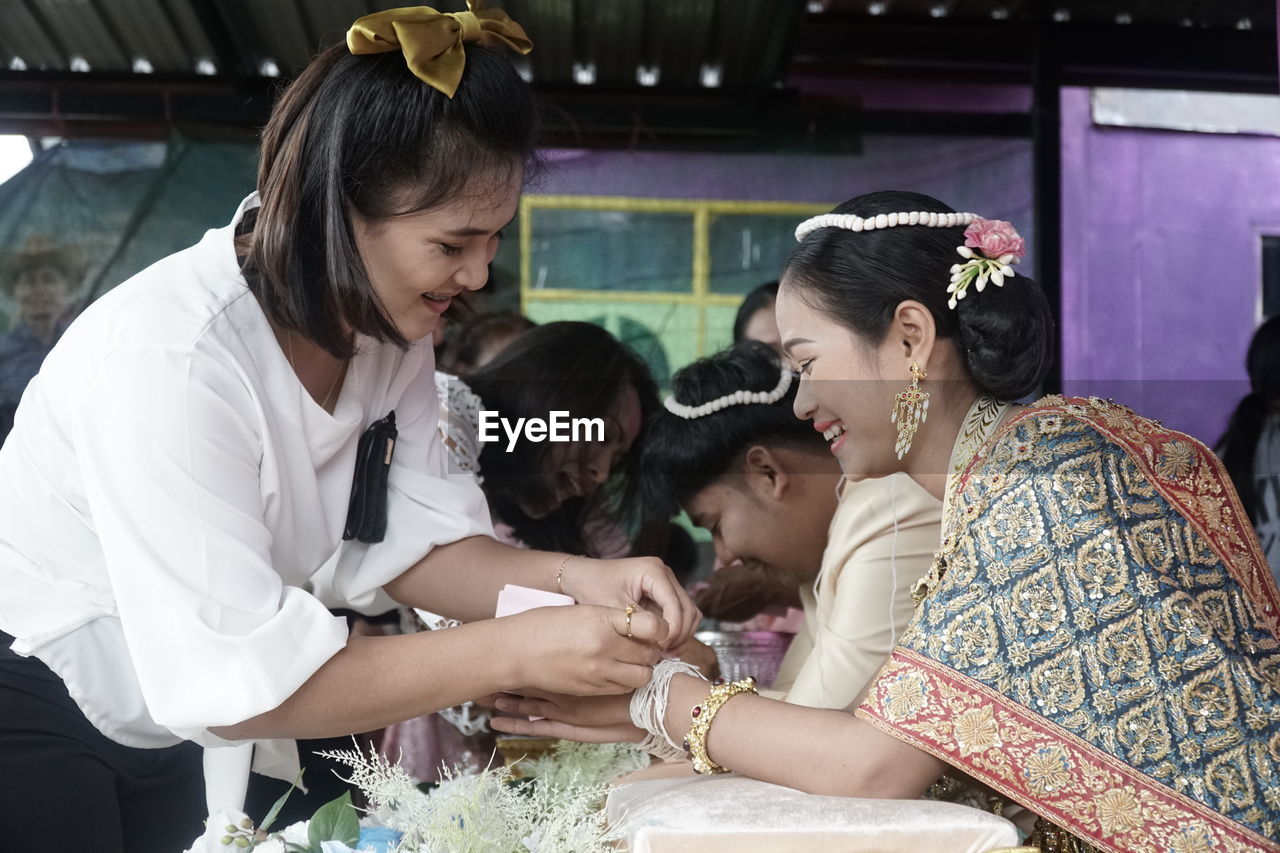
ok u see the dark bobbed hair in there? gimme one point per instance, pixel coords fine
(362, 134)
(761, 297)
(1004, 334)
(568, 366)
(682, 457)
(1239, 444)
(463, 348)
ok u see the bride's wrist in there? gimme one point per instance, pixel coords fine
(685, 692)
(649, 708)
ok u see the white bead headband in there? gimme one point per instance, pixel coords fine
(990, 245)
(735, 398)
(884, 220)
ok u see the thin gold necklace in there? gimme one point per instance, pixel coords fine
(332, 385)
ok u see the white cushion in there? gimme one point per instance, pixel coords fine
(733, 814)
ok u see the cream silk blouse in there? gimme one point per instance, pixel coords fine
(860, 602)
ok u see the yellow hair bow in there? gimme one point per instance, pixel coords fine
(432, 41)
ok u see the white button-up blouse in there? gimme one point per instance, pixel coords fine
(170, 493)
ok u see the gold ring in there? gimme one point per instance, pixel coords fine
(631, 608)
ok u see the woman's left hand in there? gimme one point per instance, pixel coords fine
(644, 581)
(608, 710)
(589, 719)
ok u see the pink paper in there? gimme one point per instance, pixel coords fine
(517, 599)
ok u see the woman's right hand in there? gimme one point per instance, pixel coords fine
(582, 650)
(644, 581)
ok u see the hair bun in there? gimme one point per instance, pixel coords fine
(1006, 337)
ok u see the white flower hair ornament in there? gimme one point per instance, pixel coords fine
(996, 242)
(990, 246)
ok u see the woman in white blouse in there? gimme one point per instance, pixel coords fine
(174, 495)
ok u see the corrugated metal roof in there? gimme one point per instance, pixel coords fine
(1195, 13)
(734, 44)
(612, 44)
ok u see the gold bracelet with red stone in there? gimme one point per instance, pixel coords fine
(702, 715)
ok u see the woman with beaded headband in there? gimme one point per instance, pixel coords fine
(1097, 639)
(786, 525)
(179, 503)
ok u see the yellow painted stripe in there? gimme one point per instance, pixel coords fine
(701, 272)
(526, 249)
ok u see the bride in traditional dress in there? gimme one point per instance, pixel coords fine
(1097, 638)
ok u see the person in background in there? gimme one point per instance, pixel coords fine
(1250, 447)
(579, 497)
(42, 279)
(755, 318)
(544, 492)
(784, 519)
(750, 583)
(476, 341)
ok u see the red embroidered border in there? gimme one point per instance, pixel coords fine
(1086, 760)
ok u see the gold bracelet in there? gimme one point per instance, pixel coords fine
(560, 573)
(695, 743)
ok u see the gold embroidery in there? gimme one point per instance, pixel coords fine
(1118, 811)
(1019, 755)
(906, 697)
(979, 425)
(1129, 614)
(976, 731)
(1048, 770)
(1191, 839)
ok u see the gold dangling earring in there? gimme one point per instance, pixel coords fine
(910, 409)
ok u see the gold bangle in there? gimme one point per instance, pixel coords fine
(695, 742)
(560, 573)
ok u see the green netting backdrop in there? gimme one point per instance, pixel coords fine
(118, 207)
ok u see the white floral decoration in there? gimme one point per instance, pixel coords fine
(977, 270)
(555, 808)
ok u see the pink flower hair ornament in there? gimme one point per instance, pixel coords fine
(990, 246)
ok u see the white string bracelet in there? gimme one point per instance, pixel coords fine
(649, 708)
(734, 398)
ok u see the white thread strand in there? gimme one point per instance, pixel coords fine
(649, 708)
(893, 566)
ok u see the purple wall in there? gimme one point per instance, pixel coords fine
(1161, 264)
(988, 175)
